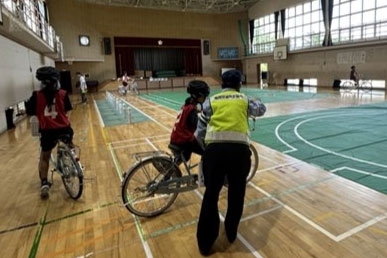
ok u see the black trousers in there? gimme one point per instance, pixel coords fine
(219, 160)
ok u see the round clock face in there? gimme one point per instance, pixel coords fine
(84, 40)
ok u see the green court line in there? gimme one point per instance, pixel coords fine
(19, 228)
(38, 234)
(43, 222)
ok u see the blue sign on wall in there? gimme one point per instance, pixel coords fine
(228, 53)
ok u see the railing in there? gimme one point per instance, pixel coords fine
(33, 16)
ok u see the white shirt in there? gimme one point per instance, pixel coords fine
(82, 83)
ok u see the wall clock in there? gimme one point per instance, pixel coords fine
(84, 40)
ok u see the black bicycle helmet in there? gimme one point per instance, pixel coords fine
(47, 74)
(198, 88)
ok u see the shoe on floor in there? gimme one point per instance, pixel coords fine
(231, 236)
(44, 191)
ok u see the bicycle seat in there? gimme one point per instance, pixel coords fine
(175, 148)
(177, 152)
(64, 138)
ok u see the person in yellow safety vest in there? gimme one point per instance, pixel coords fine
(224, 131)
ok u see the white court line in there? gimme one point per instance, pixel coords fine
(246, 243)
(361, 227)
(338, 238)
(151, 118)
(358, 171)
(141, 138)
(261, 213)
(137, 223)
(296, 213)
(277, 134)
(358, 228)
(99, 114)
(137, 144)
(151, 144)
(329, 151)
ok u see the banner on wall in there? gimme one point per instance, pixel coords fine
(356, 57)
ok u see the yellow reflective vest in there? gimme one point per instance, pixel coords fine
(229, 121)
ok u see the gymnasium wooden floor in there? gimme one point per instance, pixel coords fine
(292, 209)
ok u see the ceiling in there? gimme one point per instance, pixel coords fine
(200, 6)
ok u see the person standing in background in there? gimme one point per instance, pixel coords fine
(354, 76)
(82, 86)
(125, 79)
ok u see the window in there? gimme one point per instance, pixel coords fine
(358, 20)
(264, 31)
(352, 21)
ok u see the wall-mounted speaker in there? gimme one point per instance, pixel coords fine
(107, 47)
(206, 47)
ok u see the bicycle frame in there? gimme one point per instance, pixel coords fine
(61, 147)
(173, 185)
(69, 168)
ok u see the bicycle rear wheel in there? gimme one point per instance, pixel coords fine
(347, 85)
(72, 175)
(141, 182)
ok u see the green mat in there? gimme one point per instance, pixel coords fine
(112, 117)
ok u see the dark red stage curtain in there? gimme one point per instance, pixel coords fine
(124, 52)
(124, 60)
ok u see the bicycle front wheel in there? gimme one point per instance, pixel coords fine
(141, 183)
(72, 175)
(365, 85)
(254, 163)
(253, 167)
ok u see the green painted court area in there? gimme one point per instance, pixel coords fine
(350, 142)
(113, 117)
(174, 99)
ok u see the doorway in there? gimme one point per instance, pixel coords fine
(263, 75)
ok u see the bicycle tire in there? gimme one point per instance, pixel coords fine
(140, 183)
(347, 85)
(254, 163)
(365, 85)
(253, 167)
(72, 174)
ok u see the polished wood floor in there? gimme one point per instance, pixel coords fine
(292, 209)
